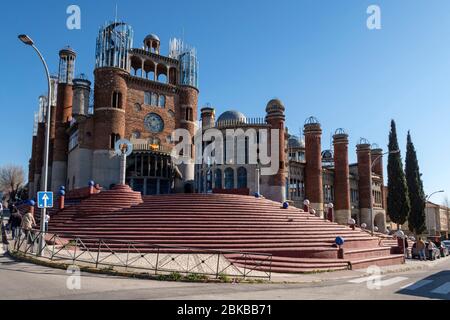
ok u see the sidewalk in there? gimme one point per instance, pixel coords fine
(410, 265)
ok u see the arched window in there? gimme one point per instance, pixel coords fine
(218, 179)
(113, 139)
(147, 98)
(154, 101)
(229, 178)
(242, 178)
(162, 78)
(117, 100)
(162, 101)
(137, 107)
(189, 114)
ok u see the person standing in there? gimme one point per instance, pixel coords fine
(28, 221)
(420, 245)
(15, 222)
(4, 238)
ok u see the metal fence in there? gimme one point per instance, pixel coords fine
(142, 257)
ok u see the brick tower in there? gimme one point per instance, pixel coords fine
(341, 177)
(364, 174)
(188, 110)
(63, 117)
(313, 170)
(276, 184)
(207, 117)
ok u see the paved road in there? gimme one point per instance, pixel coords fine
(20, 280)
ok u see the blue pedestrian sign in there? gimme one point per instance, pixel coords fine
(45, 200)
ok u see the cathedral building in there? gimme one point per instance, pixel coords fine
(143, 96)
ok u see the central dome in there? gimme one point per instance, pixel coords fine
(232, 115)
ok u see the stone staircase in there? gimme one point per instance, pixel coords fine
(298, 241)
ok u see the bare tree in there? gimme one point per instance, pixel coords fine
(11, 180)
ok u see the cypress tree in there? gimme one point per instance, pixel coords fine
(416, 220)
(398, 204)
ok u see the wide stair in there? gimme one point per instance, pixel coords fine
(298, 241)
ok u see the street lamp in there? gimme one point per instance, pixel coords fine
(428, 197)
(370, 185)
(29, 42)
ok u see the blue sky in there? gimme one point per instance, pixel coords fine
(317, 56)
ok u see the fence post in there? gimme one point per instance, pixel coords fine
(245, 265)
(218, 263)
(157, 260)
(270, 268)
(98, 252)
(128, 254)
(75, 251)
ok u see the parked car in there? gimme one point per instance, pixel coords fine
(440, 245)
(432, 251)
(444, 250)
(446, 243)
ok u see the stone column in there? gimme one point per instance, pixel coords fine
(364, 181)
(342, 209)
(313, 169)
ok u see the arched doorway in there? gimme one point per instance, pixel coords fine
(380, 221)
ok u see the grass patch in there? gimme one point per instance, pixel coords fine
(195, 277)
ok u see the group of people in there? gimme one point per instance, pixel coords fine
(19, 224)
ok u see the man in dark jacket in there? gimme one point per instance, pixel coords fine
(15, 222)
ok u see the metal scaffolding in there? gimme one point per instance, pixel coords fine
(114, 42)
(188, 61)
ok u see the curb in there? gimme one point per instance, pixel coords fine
(110, 272)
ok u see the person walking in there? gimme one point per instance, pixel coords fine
(4, 238)
(28, 221)
(420, 245)
(15, 222)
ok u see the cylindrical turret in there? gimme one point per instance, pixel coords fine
(81, 94)
(341, 178)
(208, 117)
(110, 96)
(187, 120)
(275, 118)
(364, 180)
(63, 116)
(313, 170)
(377, 160)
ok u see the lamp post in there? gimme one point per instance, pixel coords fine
(432, 194)
(29, 42)
(428, 198)
(370, 186)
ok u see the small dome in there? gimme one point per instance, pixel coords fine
(152, 37)
(327, 155)
(275, 104)
(67, 51)
(232, 115)
(296, 142)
